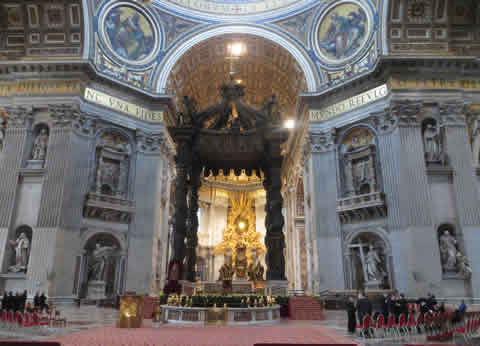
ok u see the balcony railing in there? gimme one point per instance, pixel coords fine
(361, 207)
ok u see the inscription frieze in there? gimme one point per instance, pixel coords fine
(39, 87)
(435, 83)
(120, 105)
(349, 104)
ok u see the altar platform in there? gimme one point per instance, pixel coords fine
(245, 287)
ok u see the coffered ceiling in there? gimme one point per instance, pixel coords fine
(263, 67)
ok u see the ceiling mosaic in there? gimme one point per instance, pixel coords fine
(327, 43)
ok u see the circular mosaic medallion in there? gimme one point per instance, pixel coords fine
(129, 34)
(342, 32)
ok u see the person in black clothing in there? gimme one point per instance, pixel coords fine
(9, 303)
(36, 301)
(422, 302)
(386, 305)
(364, 307)
(23, 301)
(431, 302)
(403, 305)
(43, 302)
(352, 320)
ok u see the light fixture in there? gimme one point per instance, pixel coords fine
(241, 225)
(236, 49)
(289, 124)
(238, 81)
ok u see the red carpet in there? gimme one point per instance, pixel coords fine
(228, 336)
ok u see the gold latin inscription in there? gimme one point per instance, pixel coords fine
(39, 87)
(348, 104)
(123, 106)
(435, 83)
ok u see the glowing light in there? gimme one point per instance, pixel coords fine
(236, 49)
(241, 225)
(238, 81)
(290, 124)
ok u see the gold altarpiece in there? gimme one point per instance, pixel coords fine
(240, 238)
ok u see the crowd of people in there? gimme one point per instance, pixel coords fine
(18, 302)
(393, 304)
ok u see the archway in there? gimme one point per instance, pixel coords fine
(368, 260)
(102, 263)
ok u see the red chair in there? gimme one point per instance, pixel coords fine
(411, 324)
(36, 321)
(391, 326)
(3, 318)
(366, 326)
(19, 319)
(379, 327)
(28, 322)
(10, 319)
(420, 325)
(402, 324)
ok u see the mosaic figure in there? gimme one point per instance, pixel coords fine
(129, 33)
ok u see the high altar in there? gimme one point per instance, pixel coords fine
(229, 137)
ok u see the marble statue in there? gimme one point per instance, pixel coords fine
(40, 146)
(22, 246)
(431, 140)
(448, 251)
(463, 266)
(99, 259)
(373, 263)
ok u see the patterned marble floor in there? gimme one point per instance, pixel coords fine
(94, 326)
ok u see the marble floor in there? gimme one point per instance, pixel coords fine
(88, 320)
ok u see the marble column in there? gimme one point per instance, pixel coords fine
(464, 180)
(325, 222)
(310, 244)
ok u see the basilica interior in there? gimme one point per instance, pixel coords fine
(286, 148)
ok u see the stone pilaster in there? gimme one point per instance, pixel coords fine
(415, 269)
(325, 222)
(464, 181)
(310, 244)
(147, 195)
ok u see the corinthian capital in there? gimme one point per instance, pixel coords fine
(385, 121)
(322, 141)
(149, 142)
(62, 115)
(407, 111)
(19, 116)
(453, 113)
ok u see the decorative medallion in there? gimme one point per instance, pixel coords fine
(419, 11)
(130, 34)
(342, 32)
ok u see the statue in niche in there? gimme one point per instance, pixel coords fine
(40, 146)
(99, 259)
(432, 142)
(373, 264)
(21, 246)
(448, 252)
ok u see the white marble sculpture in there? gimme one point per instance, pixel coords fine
(431, 140)
(448, 251)
(373, 263)
(99, 259)
(463, 266)
(39, 151)
(21, 246)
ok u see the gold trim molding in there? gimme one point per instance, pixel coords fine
(39, 87)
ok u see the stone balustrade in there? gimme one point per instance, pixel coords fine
(361, 207)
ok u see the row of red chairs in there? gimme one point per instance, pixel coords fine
(11, 320)
(430, 324)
